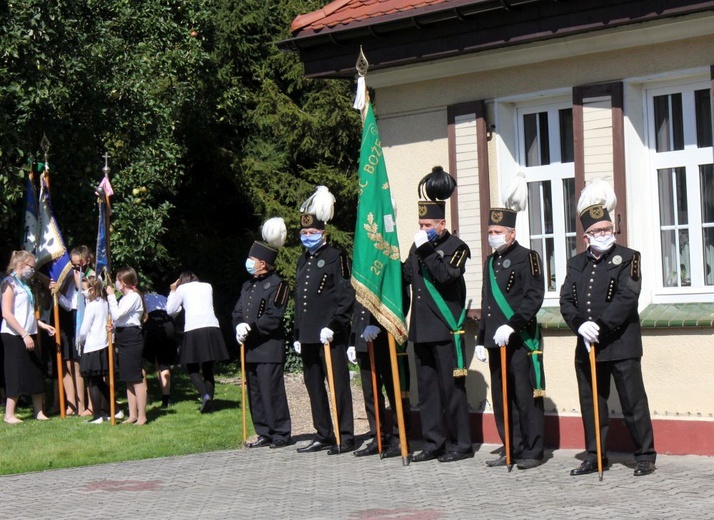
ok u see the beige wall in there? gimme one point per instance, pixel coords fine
(678, 363)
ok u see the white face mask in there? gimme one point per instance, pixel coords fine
(85, 293)
(497, 242)
(602, 243)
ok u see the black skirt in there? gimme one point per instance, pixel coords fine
(95, 363)
(202, 345)
(160, 339)
(68, 322)
(23, 368)
(130, 349)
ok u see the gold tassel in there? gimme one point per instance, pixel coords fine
(460, 372)
(538, 393)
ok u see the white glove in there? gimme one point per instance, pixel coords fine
(590, 331)
(420, 238)
(371, 332)
(326, 335)
(481, 354)
(352, 355)
(502, 334)
(242, 330)
(587, 346)
(296, 347)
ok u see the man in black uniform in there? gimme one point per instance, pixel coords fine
(598, 301)
(435, 270)
(508, 317)
(323, 308)
(258, 320)
(366, 328)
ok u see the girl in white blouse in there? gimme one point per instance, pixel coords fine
(128, 315)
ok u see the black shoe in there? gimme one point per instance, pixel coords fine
(279, 443)
(454, 456)
(315, 446)
(528, 463)
(500, 461)
(644, 467)
(166, 401)
(588, 467)
(394, 450)
(345, 447)
(371, 449)
(425, 455)
(262, 441)
(207, 404)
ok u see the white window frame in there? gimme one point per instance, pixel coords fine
(690, 158)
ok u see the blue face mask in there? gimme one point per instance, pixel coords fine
(311, 242)
(432, 235)
(250, 266)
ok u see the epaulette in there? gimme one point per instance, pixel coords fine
(459, 256)
(536, 268)
(281, 295)
(635, 266)
(345, 266)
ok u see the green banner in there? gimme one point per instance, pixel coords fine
(377, 267)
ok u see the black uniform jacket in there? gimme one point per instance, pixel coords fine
(519, 275)
(605, 291)
(445, 260)
(324, 296)
(262, 306)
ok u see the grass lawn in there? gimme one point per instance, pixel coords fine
(180, 429)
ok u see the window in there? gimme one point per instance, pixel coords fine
(546, 155)
(682, 157)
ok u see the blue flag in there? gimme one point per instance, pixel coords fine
(52, 257)
(30, 216)
(104, 191)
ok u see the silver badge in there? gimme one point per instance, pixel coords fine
(266, 285)
(321, 263)
(440, 253)
(507, 263)
(617, 259)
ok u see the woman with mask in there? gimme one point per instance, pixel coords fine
(23, 365)
(202, 340)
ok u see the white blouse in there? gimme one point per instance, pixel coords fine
(23, 308)
(197, 300)
(93, 331)
(128, 311)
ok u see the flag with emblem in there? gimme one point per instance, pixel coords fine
(102, 260)
(377, 267)
(30, 216)
(52, 256)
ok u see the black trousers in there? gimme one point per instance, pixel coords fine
(627, 374)
(442, 398)
(268, 400)
(525, 411)
(383, 369)
(315, 374)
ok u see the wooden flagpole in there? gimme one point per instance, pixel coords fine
(596, 408)
(108, 280)
(373, 372)
(398, 401)
(504, 391)
(243, 391)
(333, 395)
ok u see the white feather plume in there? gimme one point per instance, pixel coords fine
(597, 191)
(275, 232)
(321, 204)
(516, 196)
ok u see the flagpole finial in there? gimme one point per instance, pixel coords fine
(45, 145)
(362, 64)
(106, 169)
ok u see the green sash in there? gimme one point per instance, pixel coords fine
(456, 327)
(532, 344)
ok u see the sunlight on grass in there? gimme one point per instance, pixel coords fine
(178, 430)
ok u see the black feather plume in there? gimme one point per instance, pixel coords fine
(437, 185)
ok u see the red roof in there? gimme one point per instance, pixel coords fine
(345, 12)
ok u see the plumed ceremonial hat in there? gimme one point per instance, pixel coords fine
(515, 200)
(318, 209)
(437, 186)
(597, 201)
(274, 235)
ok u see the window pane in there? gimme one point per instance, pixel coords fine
(708, 235)
(703, 112)
(530, 131)
(672, 197)
(661, 122)
(685, 276)
(544, 137)
(669, 259)
(534, 208)
(706, 181)
(571, 247)
(567, 153)
(569, 203)
(549, 262)
(677, 122)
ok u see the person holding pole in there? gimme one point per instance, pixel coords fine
(324, 300)
(23, 364)
(435, 270)
(376, 371)
(258, 321)
(598, 301)
(512, 294)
